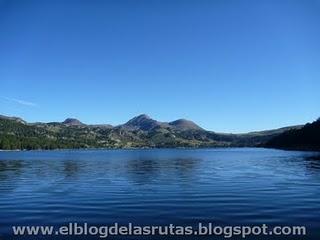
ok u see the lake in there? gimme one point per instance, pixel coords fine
(235, 186)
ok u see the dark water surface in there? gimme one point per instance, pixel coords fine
(183, 187)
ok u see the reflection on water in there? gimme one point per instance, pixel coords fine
(142, 170)
(225, 186)
(9, 174)
(147, 170)
(71, 168)
(313, 162)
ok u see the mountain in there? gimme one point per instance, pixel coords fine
(142, 122)
(139, 132)
(183, 124)
(72, 122)
(305, 138)
(145, 123)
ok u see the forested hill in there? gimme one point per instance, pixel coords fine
(306, 138)
(139, 132)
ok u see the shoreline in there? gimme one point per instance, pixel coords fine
(158, 148)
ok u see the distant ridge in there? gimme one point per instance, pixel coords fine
(141, 132)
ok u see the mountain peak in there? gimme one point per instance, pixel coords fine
(142, 116)
(141, 122)
(72, 122)
(184, 124)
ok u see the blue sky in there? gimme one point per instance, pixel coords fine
(230, 66)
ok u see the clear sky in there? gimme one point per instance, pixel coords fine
(228, 65)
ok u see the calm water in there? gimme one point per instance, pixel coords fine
(183, 187)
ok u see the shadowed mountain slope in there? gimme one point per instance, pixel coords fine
(305, 138)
